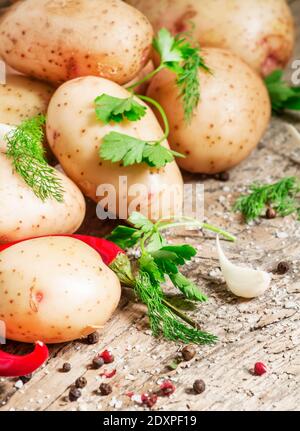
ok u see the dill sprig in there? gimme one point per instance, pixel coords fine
(162, 319)
(25, 148)
(155, 262)
(183, 58)
(282, 196)
(188, 77)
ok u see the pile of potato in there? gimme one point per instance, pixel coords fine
(79, 49)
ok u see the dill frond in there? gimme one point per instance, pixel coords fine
(162, 319)
(25, 148)
(282, 196)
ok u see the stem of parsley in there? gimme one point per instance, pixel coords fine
(188, 221)
(162, 113)
(146, 78)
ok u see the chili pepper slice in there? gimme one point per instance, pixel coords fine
(107, 249)
(16, 366)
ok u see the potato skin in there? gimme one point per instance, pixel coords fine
(261, 32)
(22, 98)
(75, 135)
(24, 215)
(55, 289)
(231, 117)
(57, 40)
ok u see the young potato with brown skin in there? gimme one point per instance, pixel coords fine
(22, 98)
(57, 40)
(259, 31)
(75, 134)
(55, 289)
(24, 215)
(231, 117)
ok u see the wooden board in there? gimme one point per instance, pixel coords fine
(265, 329)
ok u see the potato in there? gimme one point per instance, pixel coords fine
(24, 215)
(57, 40)
(259, 31)
(55, 289)
(229, 121)
(75, 135)
(22, 98)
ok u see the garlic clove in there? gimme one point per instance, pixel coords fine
(294, 133)
(243, 282)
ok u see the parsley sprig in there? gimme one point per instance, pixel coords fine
(157, 262)
(181, 57)
(282, 196)
(282, 95)
(25, 148)
(177, 55)
(118, 147)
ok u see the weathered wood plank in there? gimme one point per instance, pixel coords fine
(265, 329)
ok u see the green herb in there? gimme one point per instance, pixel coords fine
(181, 57)
(161, 317)
(113, 109)
(187, 287)
(25, 148)
(117, 147)
(282, 95)
(157, 261)
(281, 196)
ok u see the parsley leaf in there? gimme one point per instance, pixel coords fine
(167, 47)
(124, 236)
(147, 264)
(281, 94)
(117, 147)
(187, 287)
(113, 109)
(169, 257)
(157, 156)
(139, 221)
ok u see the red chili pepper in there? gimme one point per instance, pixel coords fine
(107, 249)
(16, 366)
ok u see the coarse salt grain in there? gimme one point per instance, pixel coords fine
(19, 384)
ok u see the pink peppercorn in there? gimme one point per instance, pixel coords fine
(167, 388)
(260, 368)
(107, 357)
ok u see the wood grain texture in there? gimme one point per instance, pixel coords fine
(265, 329)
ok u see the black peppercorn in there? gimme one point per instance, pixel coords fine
(25, 379)
(270, 213)
(66, 367)
(105, 389)
(188, 352)
(98, 362)
(81, 382)
(93, 338)
(199, 386)
(222, 176)
(283, 268)
(74, 394)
